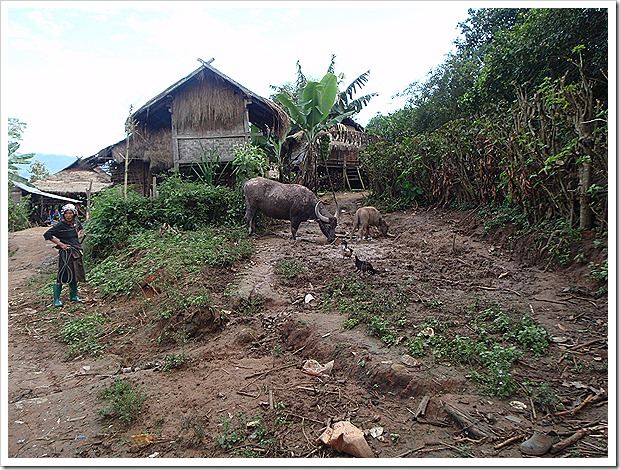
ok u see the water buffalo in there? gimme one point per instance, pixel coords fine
(366, 217)
(292, 202)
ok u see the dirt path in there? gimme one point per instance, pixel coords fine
(252, 366)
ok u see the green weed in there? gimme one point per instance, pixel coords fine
(381, 312)
(198, 424)
(125, 399)
(173, 361)
(490, 351)
(82, 335)
(288, 270)
(243, 437)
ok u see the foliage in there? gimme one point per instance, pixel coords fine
(289, 270)
(173, 361)
(599, 272)
(126, 400)
(310, 111)
(187, 205)
(381, 312)
(206, 170)
(165, 257)
(502, 122)
(19, 214)
(38, 171)
(15, 160)
(491, 352)
(249, 161)
(82, 335)
(242, 436)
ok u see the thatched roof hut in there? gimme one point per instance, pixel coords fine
(78, 180)
(346, 141)
(200, 117)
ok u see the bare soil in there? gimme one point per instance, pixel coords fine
(245, 358)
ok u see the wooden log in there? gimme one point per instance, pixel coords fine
(422, 406)
(569, 441)
(469, 424)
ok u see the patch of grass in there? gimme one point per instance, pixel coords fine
(491, 350)
(243, 437)
(381, 312)
(167, 259)
(82, 335)
(252, 306)
(173, 361)
(173, 299)
(198, 424)
(289, 270)
(498, 216)
(125, 399)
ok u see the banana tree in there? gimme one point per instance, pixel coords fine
(311, 112)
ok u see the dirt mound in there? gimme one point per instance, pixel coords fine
(242, 370)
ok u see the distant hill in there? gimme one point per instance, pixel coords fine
(53, 163)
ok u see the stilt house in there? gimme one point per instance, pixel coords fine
(198, 119)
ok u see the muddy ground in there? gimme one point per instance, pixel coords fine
(248, 362)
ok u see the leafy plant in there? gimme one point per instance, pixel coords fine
(19, 214)
(599, 272)
(239, 430)
(173, 361)
(491, 352)
(126, 400)
(82, 334)
(249, 161)
(288, 270)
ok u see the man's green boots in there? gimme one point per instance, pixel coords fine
(73, 293)
(57, 288)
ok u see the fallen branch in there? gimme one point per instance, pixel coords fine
(572, 411)
(265, 372)
(560, 446)
(470, 425)
(583, 345)
(509, 441)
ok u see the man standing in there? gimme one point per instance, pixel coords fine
(65, 235)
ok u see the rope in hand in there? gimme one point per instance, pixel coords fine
(66, 266)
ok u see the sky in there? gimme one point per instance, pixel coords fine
(72, 70)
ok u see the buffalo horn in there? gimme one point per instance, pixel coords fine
(319, 215)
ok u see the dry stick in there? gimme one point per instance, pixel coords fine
(576, 409)
(248, 394)
(509, 441)
(560, 446)
(551, 301)
(270, 370)
(583, 345)
(404, 454)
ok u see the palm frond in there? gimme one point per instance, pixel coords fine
(332, 65)
(359, 82)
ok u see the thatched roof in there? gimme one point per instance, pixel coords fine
(263, 113)
(345, 137)
(75, 181)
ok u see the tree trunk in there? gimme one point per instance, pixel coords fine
(585, 212)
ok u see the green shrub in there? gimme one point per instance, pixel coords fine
(82, 334)
(125, 399)
(182, 204)
(19, 214)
